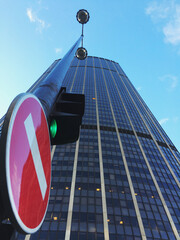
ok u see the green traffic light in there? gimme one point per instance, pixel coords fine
(53, 128)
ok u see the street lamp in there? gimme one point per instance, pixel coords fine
(82, 17)
(81, 53)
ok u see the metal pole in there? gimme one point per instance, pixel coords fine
(47, 91)
(49, 88)
(82, 35)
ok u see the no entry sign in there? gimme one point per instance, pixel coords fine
(26, 163)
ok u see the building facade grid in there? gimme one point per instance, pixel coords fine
(120, 180)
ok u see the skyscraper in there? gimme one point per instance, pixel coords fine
(120, 180)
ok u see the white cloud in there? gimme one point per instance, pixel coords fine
(175, 119)
(157, 11)
(166, 12)
(172, 28)
(58, 50)
(41, 24)
(171, 79)
(139, 89)
(163, 121)
(30, 15)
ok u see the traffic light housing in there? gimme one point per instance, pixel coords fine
(66, 117)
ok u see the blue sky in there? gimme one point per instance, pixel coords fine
(142, 36)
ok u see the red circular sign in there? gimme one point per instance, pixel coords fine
(28, 162)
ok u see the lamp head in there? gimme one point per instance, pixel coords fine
(82, 16)
(81, 53)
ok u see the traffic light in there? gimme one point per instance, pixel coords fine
(66, 117)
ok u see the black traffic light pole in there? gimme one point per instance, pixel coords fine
(49, 88)
(63, 110)
(68, 108)
(47, 91)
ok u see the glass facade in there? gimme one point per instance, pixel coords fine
(120, 180)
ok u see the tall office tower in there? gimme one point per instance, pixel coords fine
(120, 180)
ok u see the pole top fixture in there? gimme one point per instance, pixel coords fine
(81, 53)
(82, 16)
